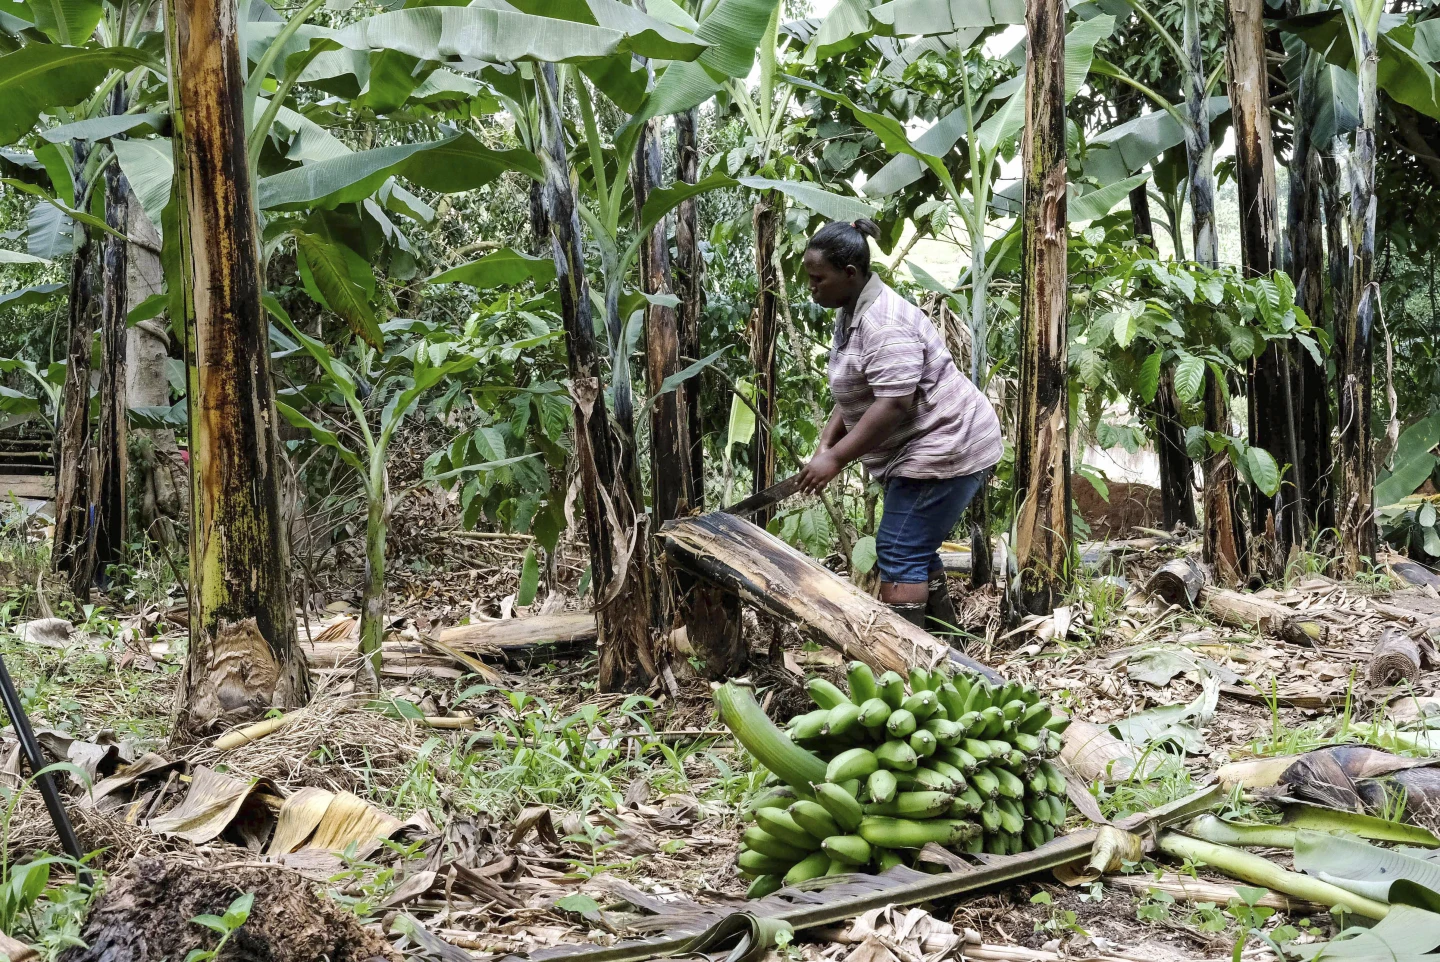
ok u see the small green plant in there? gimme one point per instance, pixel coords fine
(365, 885)
(1252, 916)
(1060, 920)
(1208, 917)
(224, 925)
(1155, 906)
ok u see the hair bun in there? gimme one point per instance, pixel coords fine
(867, 227)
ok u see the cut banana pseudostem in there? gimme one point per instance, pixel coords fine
(870, 776)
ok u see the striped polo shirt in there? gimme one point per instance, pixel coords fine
(889, 348)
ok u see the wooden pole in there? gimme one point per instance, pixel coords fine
(111, 434)
(1042, 450)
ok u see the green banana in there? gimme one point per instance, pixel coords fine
(862, 682)
(919, 679)
(851, 849)
(977, 749)
(922, 704)
(874, 713)
(913, 805)
(901, 723)
(1058, 812)
(994, 722)
(756, 839)
(947, 732)
(951, 700)
(841, 719)
(1038, 784)
(990, 816)
(1028, 744)
(855, 763)
(995, 843)
(756, 864)
(979, 697)
(811, 866)
(958, 757)
(955, 775)
(815, 819)
(881, 786)
(897, 756)
(782, 825)
(1013, 709)
(825, 694)
(1034, 834)
(770, 798)
(841, 805)
(886, 859)
(1012, 820)
(1009, 785)
(1038, 807)
(971, 722)
(929, 779)
(851, 786)
(907, 833)
(985, 781)
(974, 845)
(892, 689)
(1034, 718)
(922, 743)
(1054, 776)
(764, 885)
(969, 801)
(810, 725)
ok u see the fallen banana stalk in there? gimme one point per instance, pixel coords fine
(1261, 871)
(251, 733)
(1309, 818)
(1182, 888)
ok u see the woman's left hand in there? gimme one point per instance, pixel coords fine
(819, 471)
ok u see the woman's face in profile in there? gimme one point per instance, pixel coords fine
(830, 286)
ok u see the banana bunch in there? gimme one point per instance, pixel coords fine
(870, 777)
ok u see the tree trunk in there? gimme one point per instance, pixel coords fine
(689, 270)
(1268, 387)
(111, 504)
(372, 601)
(158, 471)
(671, 491)
(1355, 461)
(977, 515)
(1222, 544)
(1042, 449)
(1177, 471)
(1305, 265)
(74, 549)
(539, 221)
(619, 571)
(244, 658)
(764, 327)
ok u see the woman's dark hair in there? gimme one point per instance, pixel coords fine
(844, 243)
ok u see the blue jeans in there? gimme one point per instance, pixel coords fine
(919, 514)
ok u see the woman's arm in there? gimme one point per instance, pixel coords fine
(877, 424)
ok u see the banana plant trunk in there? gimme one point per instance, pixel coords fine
(1355, 458)
(614, 514)
(372, 602)
(74, 551)
(689, 271)
(1177, 471)
(768, 214)
(1223, 542)
(1276, 522)
(111, 434)
(982, 562)
(244, 657)
(672, 493)
(1042, 451)
(1305, 263)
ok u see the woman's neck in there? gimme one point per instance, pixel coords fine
(855, 297)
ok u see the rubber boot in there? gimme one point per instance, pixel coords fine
(912, 611)
(941, 618)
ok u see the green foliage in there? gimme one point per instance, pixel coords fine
(223, 925)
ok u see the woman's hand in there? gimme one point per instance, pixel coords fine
(820, 471)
